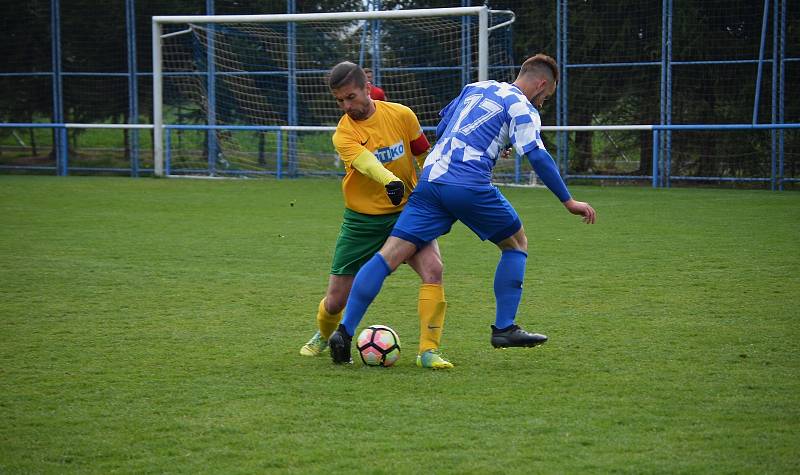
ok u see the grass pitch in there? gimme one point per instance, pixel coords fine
(154, 326)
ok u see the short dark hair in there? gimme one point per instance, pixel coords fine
(346, 73)
(540, 64)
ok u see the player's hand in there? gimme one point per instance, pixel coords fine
(506, 153)
(395, 190)
(581, 209)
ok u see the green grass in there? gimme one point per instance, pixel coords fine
(153, 326)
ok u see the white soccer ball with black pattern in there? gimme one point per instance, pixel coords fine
(378, 345)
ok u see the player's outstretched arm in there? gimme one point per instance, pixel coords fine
(545, 167)
(369, 165)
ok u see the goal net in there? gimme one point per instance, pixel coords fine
(248, 94)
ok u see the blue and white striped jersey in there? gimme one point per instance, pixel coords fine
(475, 127)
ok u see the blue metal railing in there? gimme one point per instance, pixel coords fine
(661, 163)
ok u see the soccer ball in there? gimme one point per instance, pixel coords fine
(379, 345)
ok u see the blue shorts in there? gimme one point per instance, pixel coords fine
(432, 209)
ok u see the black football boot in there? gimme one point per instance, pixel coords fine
(515, 336)
(340, 343)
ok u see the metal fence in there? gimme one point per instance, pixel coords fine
(707, 81)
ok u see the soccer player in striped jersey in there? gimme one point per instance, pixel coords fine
(456, 185)
(381, 145)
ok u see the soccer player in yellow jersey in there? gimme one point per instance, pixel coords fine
(380, 144)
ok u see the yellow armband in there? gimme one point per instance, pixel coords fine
(369, 165)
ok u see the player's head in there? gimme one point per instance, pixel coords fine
(348, 84)
(368, 72)
(539, 75)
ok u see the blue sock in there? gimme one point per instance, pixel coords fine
(367, 284)
(508, 286)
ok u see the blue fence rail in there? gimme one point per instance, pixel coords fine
(661, 163)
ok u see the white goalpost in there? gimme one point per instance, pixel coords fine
(247, 93)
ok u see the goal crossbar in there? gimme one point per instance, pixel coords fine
(281, 17)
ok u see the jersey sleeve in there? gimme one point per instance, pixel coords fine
(355, 155)
(446, 115)
(416, 137)
(525, 127)
(544, 166)
(347, 145)
(420, 145)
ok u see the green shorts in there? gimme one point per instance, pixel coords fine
(361, 236)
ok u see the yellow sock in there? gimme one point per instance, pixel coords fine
(431, 307)
(327, 322)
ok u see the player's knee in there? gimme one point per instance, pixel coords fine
(522, 242)
(517, 242)
(432, 271)
(334, 302)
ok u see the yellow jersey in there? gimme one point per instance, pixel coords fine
(387, 134)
